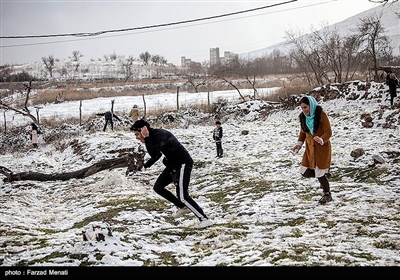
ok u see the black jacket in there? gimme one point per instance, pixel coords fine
(108, 115)
(217, 134)
(162, 142)
(392, 83)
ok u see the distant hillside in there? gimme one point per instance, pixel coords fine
(390, 21)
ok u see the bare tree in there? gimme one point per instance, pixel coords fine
(339, 53)
(145, 58)
(158, 60)
(25, 110)
(305, 52)
(126, 65)
(352, 56)
(75, 58)
(373, 41)
(228, 73)
(248, 70)
(195, 75)
(49, 64)
(384, 2)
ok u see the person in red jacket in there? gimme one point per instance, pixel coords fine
(178, 167)
(315, 132)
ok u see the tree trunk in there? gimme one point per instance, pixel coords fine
(133, 162)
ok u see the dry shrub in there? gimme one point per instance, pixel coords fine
(54, 122)
(160, 111)
(68, 94)
(293, 88)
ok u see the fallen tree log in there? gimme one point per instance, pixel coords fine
(133, 162)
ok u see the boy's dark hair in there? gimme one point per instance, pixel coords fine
(139, 124)
(217, 122)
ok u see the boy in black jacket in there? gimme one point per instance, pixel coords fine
(109, 118)
(217, 136)
(178, 167)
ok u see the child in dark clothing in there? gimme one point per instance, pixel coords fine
(217, 136)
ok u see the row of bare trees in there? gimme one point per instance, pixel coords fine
(320, 57)
(326, 52)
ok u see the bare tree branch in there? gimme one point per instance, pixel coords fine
(133, 162)
(24, 111)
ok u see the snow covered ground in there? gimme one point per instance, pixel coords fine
(264, 212)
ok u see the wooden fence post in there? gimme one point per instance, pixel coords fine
(177, 98)
(80, 112)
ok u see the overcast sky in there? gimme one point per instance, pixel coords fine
(240, 32)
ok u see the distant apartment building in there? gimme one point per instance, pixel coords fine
(214, 56)
(216, 59)
(228, 56)
(187, 62)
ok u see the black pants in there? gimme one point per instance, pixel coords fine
(219, 148)
(393, 94)
(309, 173)
(111, 123)
(181, 179)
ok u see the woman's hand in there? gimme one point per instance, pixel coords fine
(319, 140)
(295, 149)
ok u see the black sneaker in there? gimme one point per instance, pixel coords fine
(325, 198)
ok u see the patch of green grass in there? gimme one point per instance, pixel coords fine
(297, 233)
(368, 174)
(24, 263)
(385, 244)
(49, 257)
(149, 262)
(367, 256)
(155, 235)
(168, 259)
(205, 249)
(78, 256)
(255, 188)
(298, 255)
(98, 256)
(219, 197)
(282, 255)
(266, 253)
(307, 196)
(295, 222)
(330, 224)
(120, 205)
(236, 225)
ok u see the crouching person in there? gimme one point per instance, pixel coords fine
(178, 167)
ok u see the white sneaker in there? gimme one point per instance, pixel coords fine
(205, 223)
(180, 212)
